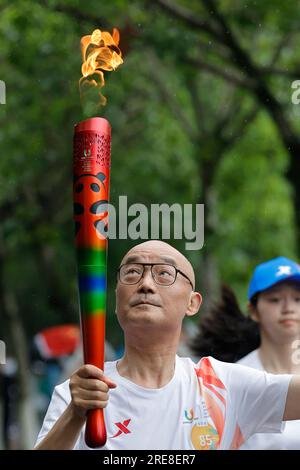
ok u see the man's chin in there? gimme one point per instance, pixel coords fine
(142, 313)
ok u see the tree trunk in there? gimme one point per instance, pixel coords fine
(26, 415)
(210, 282)
(9, 311)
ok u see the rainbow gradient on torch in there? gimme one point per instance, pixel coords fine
(92, 293)
(90, 197)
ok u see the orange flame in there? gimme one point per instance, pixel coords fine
(100, 51)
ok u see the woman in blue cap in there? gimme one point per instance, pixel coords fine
(267, 339)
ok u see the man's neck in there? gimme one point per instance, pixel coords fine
(149, 367)
(278, 359)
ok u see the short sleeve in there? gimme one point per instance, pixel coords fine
(259, 399)
(61, 398)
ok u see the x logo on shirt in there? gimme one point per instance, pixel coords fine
(123, 429)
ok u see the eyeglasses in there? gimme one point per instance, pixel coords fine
(162, 274)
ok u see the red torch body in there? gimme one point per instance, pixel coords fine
(91, 157)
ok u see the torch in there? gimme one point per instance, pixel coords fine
(91, 158)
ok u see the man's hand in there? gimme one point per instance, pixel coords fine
(89, 389)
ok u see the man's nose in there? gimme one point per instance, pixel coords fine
(146, 283)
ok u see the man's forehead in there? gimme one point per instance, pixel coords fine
(155, 251)
(142, 256)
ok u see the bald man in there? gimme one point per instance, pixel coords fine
(152, 398)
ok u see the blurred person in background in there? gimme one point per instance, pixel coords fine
(9, 397)
(266, 340)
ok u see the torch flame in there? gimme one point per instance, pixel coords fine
(100, 51)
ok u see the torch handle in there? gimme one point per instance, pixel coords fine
(91, 156)
(93, 335)
(95, 431)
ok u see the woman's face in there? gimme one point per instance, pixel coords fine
(278, 311)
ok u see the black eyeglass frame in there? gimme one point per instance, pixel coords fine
(153, 264)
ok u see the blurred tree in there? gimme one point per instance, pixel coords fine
(254, 47)
(190, 125)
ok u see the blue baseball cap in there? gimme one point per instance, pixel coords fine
(271, 272)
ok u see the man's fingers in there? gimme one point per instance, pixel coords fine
(109, 382)
(89, 388)
(89, 404)
(91, 395)
(93, 384)
(89, 371)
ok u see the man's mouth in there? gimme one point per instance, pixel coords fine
(144, 302)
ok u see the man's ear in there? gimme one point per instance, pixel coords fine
(194, 304)
(253, 312)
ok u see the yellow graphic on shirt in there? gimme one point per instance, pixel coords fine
(204, 437)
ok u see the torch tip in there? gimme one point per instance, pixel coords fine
(96, 124)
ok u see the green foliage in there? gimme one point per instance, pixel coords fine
(155, 157)
(256, 218)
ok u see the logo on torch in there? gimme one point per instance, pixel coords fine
(87, 152)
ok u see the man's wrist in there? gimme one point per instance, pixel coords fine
(74, 415)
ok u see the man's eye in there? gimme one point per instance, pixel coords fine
(164, 273)
(132, 271)
(274, 299)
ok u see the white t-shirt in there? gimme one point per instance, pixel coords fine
(289, 439)
(209, 405)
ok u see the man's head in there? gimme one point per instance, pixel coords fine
(155, 300)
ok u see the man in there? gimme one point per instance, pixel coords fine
(152, 398)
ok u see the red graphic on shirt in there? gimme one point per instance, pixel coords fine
(123, 429)
(211, 382)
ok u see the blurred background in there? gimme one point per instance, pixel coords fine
(201, 112)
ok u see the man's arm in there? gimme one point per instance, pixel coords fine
(64, 433)
(89, 390)
(292, 405)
